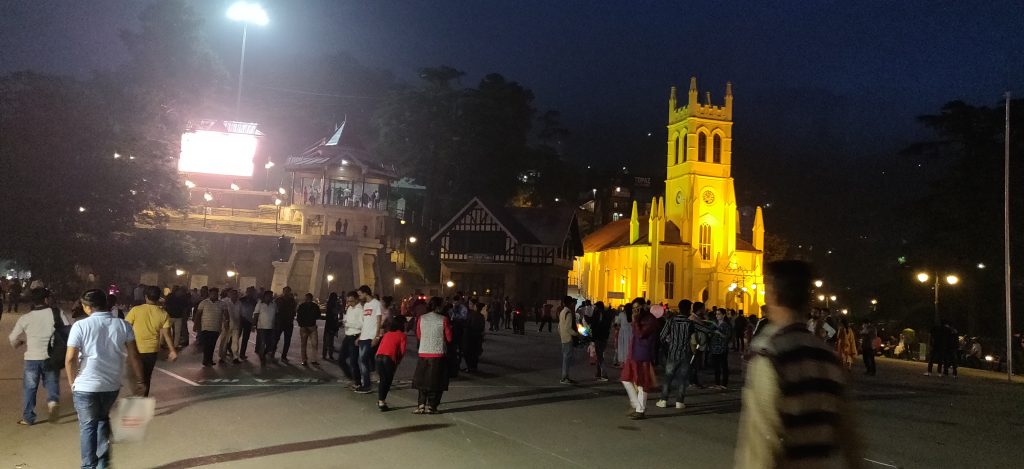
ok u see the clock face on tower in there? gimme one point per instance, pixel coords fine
(679, 197)
(709, 197)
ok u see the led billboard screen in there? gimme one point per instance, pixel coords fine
(223, 149)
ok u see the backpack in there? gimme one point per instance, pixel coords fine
(57, 349)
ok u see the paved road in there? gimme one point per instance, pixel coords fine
(513, 414)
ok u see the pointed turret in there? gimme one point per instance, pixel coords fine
(661, 219)
(652, 221)
(672, 102)
(634, 225)
(728, 100)
(759, 230)
(691, 96)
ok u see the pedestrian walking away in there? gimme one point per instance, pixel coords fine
(333, 313)
(151, 324)
(434, 333)
(97, 349)
(231, 329)
(247, 312)
(676, 336)
(285, 325)
(307, 316)
(35, 330)
(600, 331)
(389, 356)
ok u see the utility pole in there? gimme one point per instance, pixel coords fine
(1006, 241)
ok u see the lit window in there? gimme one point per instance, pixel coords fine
(716, 149)
(702, 147)
(705, 242)
(645, 272)
(678, 148)
(682, 148)
(616, 216)
(670, 280)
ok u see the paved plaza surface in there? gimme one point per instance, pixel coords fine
(512, 414)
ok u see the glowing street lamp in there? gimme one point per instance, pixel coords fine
(818, 283)
(179, 272)
(330, 278)
(951, 279)
(247, 13)
(450, 284)
(234, 187)
(845, 311)
(266, 182)
(190, 184)
(412, 239)
(208, 197)
(232, 273)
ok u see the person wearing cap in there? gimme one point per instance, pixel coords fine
(34, 330)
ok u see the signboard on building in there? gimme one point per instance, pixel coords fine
(616, 295)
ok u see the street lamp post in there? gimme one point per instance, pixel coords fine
(266, 183)
(951, 279)
(246, 13)
(330, 278)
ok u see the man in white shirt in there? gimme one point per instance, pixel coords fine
(266, 316)
(232, 330)
(369, 335)
(349, 359)
(37, 329)
(97, 347)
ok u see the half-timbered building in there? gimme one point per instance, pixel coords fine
(492, 251)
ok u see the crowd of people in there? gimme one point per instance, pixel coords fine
(365, 334)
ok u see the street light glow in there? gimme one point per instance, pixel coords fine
(249, 13)
(833, 298)
(179, 272)
(952, 279)
(981, 265)
(821, 297)
(412, 239)
(234, 187)
(818, 283)
(330, 278)
(846, 311)
(270, 164)
(81, 209)
(190, 184)
(398, 281)
(922, 277)
(232, 273)
(450, 284)
(277, 201)
(208, 197)
(874, 301)
(280, 190)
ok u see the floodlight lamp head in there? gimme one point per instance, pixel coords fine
(247, 12)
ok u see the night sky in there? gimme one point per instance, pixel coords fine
(823, 89)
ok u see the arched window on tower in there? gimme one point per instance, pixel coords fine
(646, 268)
(716, 149)
(702, 146)
(704, 243)
(670, 280)
(681, 153)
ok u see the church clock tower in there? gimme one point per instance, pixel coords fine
(699, 194)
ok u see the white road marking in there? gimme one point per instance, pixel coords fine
(880, 463)
(177, 377)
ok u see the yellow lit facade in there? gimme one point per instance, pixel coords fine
(687, 247)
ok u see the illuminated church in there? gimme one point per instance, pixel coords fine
(688, 246)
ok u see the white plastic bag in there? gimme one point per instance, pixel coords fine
(130, 418)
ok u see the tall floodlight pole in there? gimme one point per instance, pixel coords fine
(1006, 241)
(247, 13)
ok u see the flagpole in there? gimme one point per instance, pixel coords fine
(1006, 241)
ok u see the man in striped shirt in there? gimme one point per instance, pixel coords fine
(795, 405)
